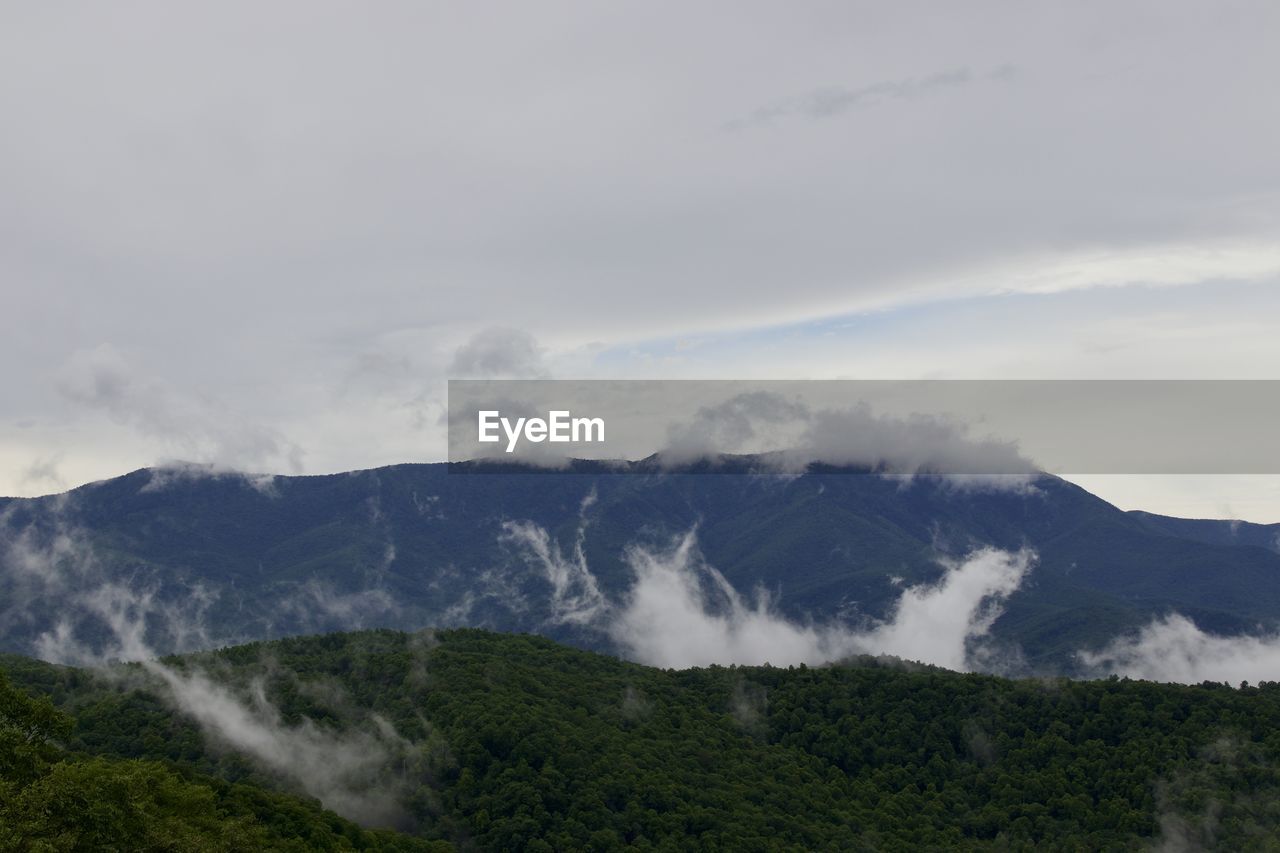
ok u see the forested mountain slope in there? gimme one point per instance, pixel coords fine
(215, 559)
(500, 742)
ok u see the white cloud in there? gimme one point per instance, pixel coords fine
(1173, 648)
(682, 612)
(575, 595)
(349, 771)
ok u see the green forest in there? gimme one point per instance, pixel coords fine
(512, 742)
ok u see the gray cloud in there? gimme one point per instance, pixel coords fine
(193, 426)
(499, 353)
(308, 241)
(43, 471)
(735, 424)
(835, 100)
(801, 434)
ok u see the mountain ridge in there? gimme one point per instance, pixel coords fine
(410, 545)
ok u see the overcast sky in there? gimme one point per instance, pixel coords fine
(263, 234)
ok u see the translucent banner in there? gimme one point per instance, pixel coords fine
(892, 426)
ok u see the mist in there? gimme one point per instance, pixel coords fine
(56, 578)
(575, 594)
(101, 621)
(680, 611)
(795, 435)
(1173, 648)
(348, 771)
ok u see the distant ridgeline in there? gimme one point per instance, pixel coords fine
(500, 742)
(185, 558)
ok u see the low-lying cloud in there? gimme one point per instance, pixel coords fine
(187, 425)
(575, 594)
(130, 616)
(681, 611)
(799, 435)
(1173, 648)
(359, 772)
(52, 578)
(349, 771)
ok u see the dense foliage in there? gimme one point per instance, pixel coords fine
(51, 799)
(535, 746)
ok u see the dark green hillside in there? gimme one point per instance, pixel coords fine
(52, 798)
(538, 746)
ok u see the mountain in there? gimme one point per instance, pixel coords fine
(1214, 531)
(500, 742)
(186, 558)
